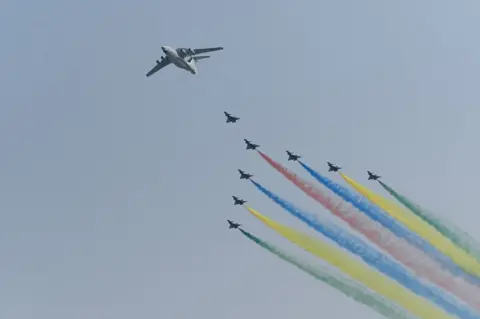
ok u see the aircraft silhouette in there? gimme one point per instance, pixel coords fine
(292, 157)
(238, 201)
(244, 175)
(183, 58)
(373, 176)
(232, 224)
(250, 145)
(332, 167)
(231, 118)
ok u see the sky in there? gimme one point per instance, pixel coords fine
(115, 188)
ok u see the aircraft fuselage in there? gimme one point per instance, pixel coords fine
(180, 61)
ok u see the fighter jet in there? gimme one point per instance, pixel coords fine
(244, 175)
(231, 118)
(373, 176)
(333, 167)
(183, 58)
(238, 201)
(292, 157)
(232, 224)
(250, 145)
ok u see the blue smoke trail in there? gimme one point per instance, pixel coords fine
(374, 258)
(376, 214)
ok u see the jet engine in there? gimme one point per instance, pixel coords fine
(191, 52)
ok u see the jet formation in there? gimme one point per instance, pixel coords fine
(183, 58)
(291, 157)
(187, 59)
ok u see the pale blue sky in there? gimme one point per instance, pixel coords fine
(115, 187)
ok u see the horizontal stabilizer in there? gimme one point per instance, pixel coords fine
(201, 57)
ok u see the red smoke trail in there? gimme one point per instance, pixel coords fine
(398, 248)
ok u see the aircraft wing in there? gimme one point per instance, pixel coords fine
(200, 51)
(160, 65)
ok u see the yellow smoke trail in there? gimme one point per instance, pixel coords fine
(419, 226)
(361, 272)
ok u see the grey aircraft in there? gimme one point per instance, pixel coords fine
(292, 157)
(183, 58)
(244, 175)
(373, 176)
(231, 118)
(233, 225)
(333, 167)
(250, 145)
(238, 201)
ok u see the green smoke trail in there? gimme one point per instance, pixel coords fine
(349, 287)
(446, 228)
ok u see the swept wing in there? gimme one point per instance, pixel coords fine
(160, 65)
(189, 51)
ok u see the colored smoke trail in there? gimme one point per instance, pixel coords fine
(347, 286)
(357, 270)
(398, 248)
(448, 229)
(376, 214)
(374, 258)
(416, 224)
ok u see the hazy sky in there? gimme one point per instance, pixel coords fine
(115, 188)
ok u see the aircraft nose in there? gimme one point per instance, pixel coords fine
(164, 49)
